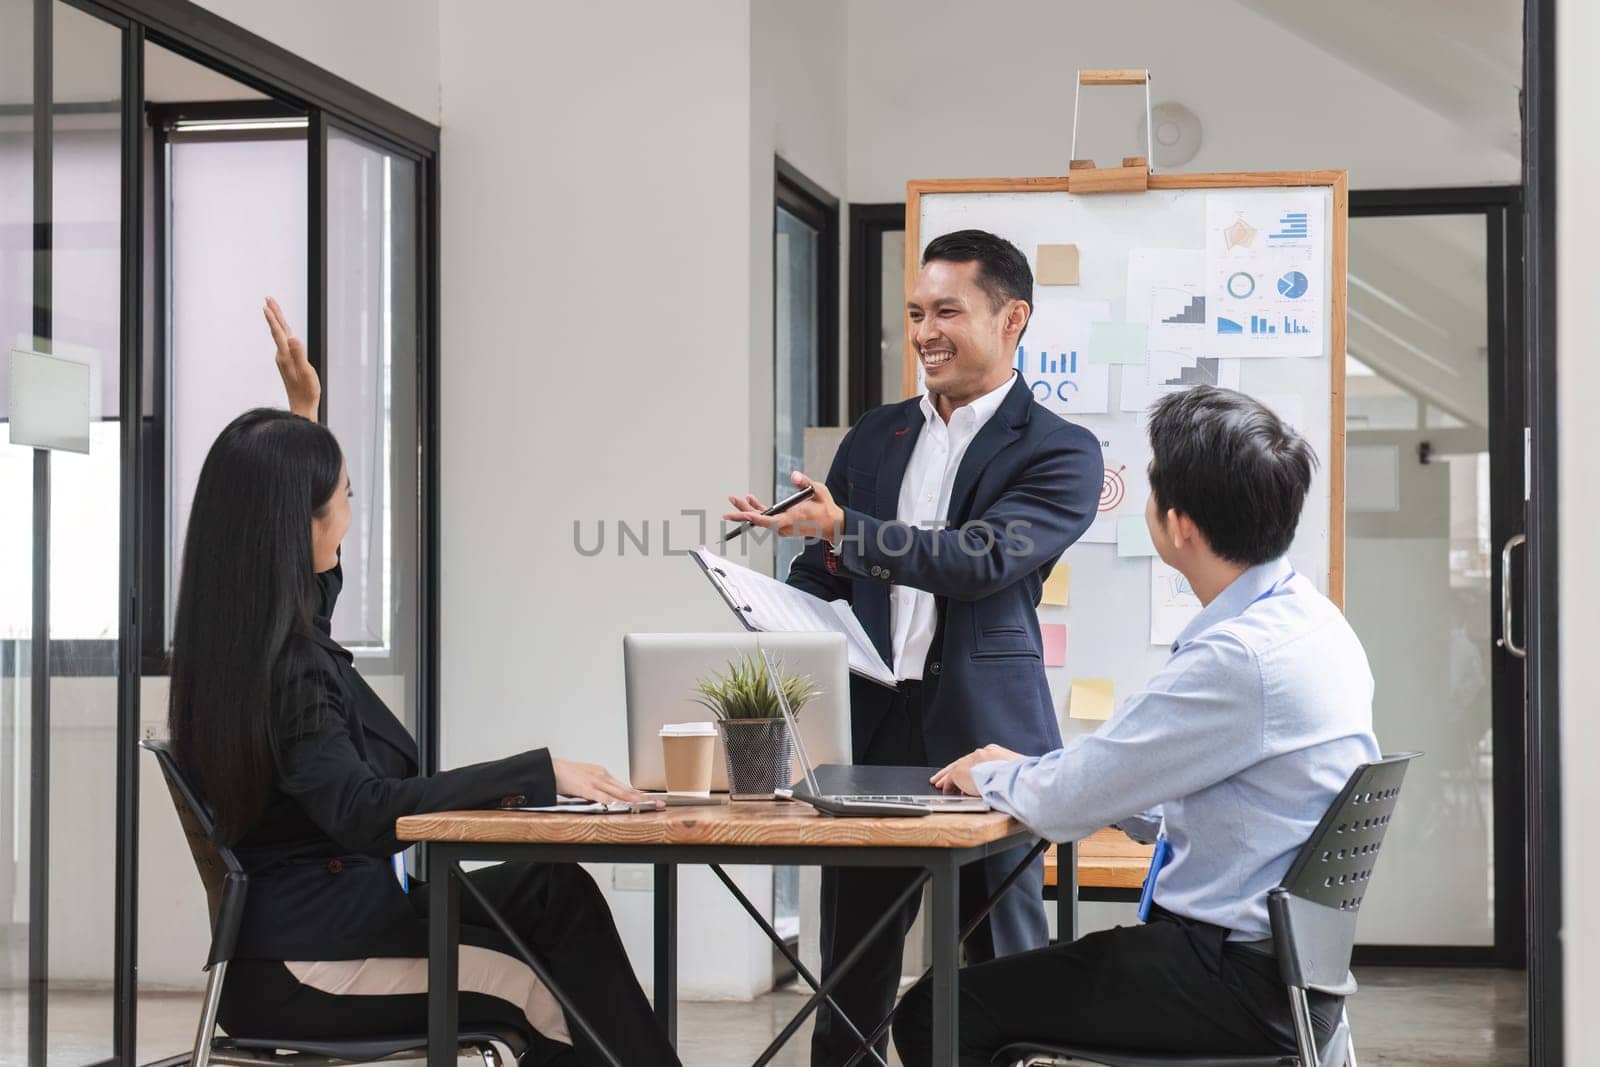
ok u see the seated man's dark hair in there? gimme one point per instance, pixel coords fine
(1003, 271)
(1233, 467)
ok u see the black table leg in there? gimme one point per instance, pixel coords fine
(666, 961)
(944, 921)
(444, 932)
(1067, 892)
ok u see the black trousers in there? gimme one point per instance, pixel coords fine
(854, 897)
(1172, 985)
(560, 914)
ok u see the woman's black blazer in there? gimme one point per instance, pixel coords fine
(322, 886)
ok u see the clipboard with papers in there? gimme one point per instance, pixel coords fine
(765, 605)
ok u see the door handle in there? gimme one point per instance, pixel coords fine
(1505, 639)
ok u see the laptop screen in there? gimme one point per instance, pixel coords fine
(794, 728)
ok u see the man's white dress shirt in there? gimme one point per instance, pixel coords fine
(925, 501)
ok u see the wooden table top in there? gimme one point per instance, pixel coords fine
(1107, 859)
(754, 822)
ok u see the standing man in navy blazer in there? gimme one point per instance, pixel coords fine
(941, 517)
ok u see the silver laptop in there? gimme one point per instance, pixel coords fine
(925, 801)
(662, 670)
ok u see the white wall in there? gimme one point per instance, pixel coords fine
(944, 88)
(1578, 371)
(596, 331)
(388, 47)
(797, 111)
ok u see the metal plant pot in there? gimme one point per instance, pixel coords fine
(760, 757)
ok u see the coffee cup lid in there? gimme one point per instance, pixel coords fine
(689, 729)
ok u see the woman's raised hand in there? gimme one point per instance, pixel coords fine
(300, 381)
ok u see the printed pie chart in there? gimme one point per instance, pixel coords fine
(1292, 285)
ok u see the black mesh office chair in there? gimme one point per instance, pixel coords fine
(226, 883)
(1313, 913)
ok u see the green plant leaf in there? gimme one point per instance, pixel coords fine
(744, 691)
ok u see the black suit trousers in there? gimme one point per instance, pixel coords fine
(1172, 985)
(853, 898)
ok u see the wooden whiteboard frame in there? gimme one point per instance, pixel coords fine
(1337, 180)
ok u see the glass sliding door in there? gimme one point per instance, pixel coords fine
(17, 300)
(84, 543)
(61, 575)
(1433, 491)
(147, 308)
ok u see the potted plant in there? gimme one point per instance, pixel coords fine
(755, 741)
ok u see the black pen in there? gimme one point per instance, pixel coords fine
(777, 509)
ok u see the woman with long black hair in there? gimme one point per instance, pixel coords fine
(306, 770)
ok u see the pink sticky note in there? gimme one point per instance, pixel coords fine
(1055, 643)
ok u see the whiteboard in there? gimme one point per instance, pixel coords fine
(1108, 615)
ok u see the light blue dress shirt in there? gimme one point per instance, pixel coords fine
(1242, 740)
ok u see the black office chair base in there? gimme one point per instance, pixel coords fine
(1335, 1052)
(303, 1053)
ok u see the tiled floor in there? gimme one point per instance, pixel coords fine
(1401, 1016)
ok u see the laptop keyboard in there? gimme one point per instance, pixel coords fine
(888, 798)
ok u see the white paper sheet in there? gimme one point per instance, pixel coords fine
(1172, 603)
(1265, 283)
(1125, 450)
(1052, 356)
(771, 606)
(1166, 291)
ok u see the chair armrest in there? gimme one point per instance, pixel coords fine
(225, 937)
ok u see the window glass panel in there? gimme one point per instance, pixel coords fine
(1417, 564)
(892, 302)
(796, 354)
(223, 263)
(372, 405)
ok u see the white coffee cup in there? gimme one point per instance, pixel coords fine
(689, 751)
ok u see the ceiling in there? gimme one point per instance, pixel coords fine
(1461, 59)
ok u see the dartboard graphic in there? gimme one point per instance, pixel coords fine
(1112, 489)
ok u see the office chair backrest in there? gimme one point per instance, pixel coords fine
(1314, 908)
(220, 870)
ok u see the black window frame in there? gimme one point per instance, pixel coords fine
(868, 224)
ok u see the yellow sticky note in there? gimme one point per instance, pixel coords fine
(1091, 698)
(1058, 585)
(1058, 265)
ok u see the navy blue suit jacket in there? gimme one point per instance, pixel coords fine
(1028, 486)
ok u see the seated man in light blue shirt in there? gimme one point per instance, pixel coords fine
(1239, 745)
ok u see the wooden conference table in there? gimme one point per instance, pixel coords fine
(756, 833)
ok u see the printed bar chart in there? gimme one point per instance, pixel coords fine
(1064, 363)
(1194, 312)
(1294, 226)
